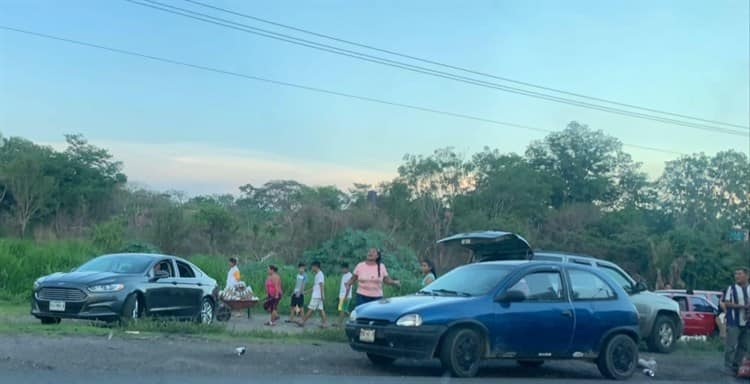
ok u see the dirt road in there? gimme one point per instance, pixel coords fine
(80, 359)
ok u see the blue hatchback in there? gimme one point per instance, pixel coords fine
(528, 311)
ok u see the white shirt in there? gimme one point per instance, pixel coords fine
(342, 290)
(740, 299)
(231, 279)
(319, 279)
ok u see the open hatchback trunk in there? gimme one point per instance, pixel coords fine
(492, 245)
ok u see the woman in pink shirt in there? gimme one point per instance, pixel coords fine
(370, 275)
(273, 289)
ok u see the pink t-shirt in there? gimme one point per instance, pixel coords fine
(368, 282)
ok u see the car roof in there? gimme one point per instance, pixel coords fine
(153, 256)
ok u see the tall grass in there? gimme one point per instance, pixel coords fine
(23, 261)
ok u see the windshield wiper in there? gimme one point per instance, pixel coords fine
(451, 292)
(426, 292)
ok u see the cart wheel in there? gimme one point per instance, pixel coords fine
(223, 313)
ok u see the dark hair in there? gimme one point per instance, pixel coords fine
(379, 260)
(233, 260)
(300, 265)
(315, 264)
(743, 269)
(273, 268)
(345, 265)
(431, 265)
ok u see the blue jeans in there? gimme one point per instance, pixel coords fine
(365, 299)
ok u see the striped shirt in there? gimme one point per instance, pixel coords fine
(737, 317)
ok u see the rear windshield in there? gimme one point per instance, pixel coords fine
(472, 280)
(124, 264)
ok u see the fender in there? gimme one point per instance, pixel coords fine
(631, 331)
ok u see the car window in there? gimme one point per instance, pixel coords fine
(682, 301)
(164, 265)
(124, 264)
(699, 304)
(618, 277)
(585, 285)
(185, 270)
(474, 280)
(540, 286)
(715, 299)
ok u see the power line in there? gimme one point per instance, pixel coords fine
(392, 63)
(458, 68)
(305, 87)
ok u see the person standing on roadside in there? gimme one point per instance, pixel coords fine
(345, 294)
(298, 295)
(317, 298)
(273, 290)
(233, 276)
(428, 270)
(370, 275)
(737, 304)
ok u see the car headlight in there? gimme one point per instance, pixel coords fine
(37, 283)
(412, 320)
(353, 316)
(107, 288)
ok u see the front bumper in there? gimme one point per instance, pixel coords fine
(95, 306)
(397, 342)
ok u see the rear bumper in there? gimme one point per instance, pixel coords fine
(397, 342)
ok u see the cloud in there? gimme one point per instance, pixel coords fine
(203, 169)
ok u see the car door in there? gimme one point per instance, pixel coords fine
(161, 293)
(688, 316)
(189, 290)
(704, 315)
(539, 326)
(596, 308)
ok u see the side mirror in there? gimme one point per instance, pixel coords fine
(159, 275)
(640, 287)
(511, 297)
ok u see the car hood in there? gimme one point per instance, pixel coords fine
(492, 245)
(81, 278)
(393, 308)
(659, 300)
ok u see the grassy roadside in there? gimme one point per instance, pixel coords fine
(15, 319)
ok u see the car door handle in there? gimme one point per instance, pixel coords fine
(174, 283)
(200, 285)
(566, 313)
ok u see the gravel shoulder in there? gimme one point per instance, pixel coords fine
(165, 356)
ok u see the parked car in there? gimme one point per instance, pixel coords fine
(697, 312)
(125, 287)
(712, 296)
(527, 311)
(660, 321)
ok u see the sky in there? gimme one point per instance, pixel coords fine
(202, 132)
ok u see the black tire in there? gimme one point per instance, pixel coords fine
(207, 311)
(223, 313)
(618, 359)
(461, 352)
(50, 320)
(132, 310)
(663, 335)
(380, 360)
(530, 363)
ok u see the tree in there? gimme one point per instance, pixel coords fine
(589, 165)
(700, 190)
(24, 175)
(217, 223)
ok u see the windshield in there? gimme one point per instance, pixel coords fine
(473, 280)
(123, 264)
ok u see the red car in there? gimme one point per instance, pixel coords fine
(713, 296)
(697, 312)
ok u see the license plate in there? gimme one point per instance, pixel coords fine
(57, 306)
(367, 335)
